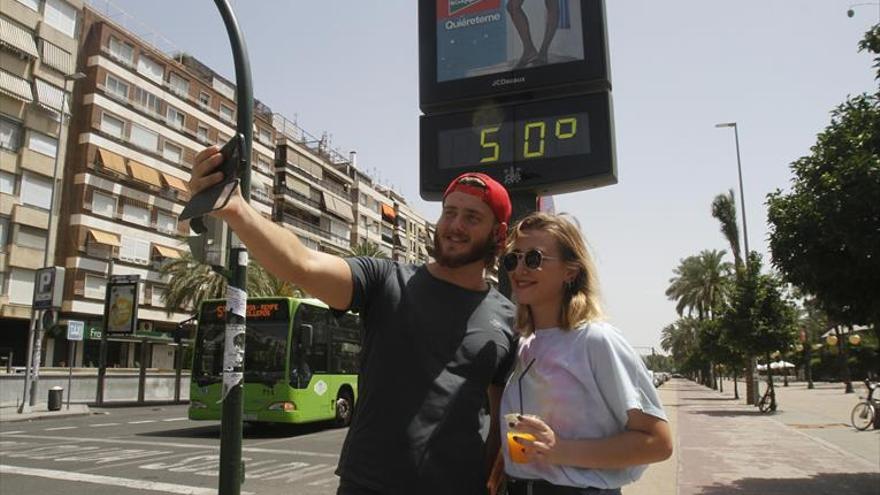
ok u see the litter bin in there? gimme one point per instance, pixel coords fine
(55, 398)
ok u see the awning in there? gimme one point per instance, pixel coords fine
(57, 58)
(106, 238)
(16, 87)
(175, 182)
(18, 38)
(166, 252)
(144, 173)
(112, 161)
(388, 212)
(338, 207)
(50, 97)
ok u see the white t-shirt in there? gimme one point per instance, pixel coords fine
(582, 384)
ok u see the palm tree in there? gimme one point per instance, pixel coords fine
(701, 284)
(724, 209)
(368, 249)
(191, 282)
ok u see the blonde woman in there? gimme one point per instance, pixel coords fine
(580, 411)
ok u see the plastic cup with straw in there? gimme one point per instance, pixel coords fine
(514, 448)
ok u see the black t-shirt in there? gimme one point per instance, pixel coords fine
(431, 349)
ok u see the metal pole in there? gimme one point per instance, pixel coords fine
(102, 351)
(742, 197)
(70, 357)
(142, 372)
(231, 465)
(38, 345)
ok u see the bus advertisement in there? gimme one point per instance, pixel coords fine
(300, 362)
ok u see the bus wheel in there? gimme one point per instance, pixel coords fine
(344, 408)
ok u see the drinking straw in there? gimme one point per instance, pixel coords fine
(519, 383)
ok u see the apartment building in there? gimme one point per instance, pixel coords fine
(38, 52)
(142, 117)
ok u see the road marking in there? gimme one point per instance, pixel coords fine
(174, 419)
(180, 445)
(99, 425)
(109, 480)
(141, 422)
(11, 432)
(325, 481)
(61, 428)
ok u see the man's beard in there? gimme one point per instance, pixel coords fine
(479, 252)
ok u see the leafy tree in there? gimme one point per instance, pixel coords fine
(700, 284)
(825, 232)
(760, 319)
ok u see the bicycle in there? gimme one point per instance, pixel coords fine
(864, 414)
(768, 401)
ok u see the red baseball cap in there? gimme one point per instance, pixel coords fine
(494, 195)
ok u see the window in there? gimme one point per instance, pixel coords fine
(21, 286)
(202, 133)
(42, 144)
(178, 84)
(36, 191)
(103, 204)
(147, 100)
(172, 152)
(166, 222)
(61, 16)
(135, 250)
(144, 138)
(227, 113)
(10, 134)
(4, 233)
(150, 68)
(158, 296)
(95, 287)
(264, 165)
(265, 135)
(31, 4)
(30, 237)
(121, 50)
(135, 214)
(175, 117)
(116, 87)
(112, 125)
(7, 183)
(204, 99)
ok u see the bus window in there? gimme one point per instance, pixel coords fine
(313, 359)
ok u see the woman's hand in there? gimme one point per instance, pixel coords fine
(541, 449)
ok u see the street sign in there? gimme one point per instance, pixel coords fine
(75, 330)
(121, 304)
(48, 287)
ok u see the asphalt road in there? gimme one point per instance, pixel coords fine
(157, 450)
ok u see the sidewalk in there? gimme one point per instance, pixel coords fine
(9, 414)
(725, 447)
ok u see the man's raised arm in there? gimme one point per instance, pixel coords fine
(279, 250)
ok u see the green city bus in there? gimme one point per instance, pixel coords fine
(300, 362)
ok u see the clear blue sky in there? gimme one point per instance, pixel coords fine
(776, 67)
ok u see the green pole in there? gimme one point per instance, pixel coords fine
(231, 466)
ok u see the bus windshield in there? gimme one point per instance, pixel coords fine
(265, 351)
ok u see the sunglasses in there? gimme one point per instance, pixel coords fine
(532, 258)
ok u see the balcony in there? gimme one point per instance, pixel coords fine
(301, 224)
(297, 199)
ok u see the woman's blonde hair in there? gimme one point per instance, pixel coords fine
(580, 302)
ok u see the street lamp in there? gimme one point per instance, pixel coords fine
(851, 12)
(35, 339)
(742, 197)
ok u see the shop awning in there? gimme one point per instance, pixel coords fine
(112, 161)
(166, 252)
(388, 212)
(175, 182)
(18, 38)
(50, 97)
(57, 58)
(105, 238)
(144, 173)
(338, 207)
(16, 87)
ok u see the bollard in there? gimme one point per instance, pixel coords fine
(55, 398)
